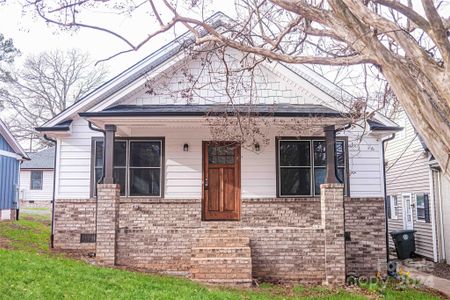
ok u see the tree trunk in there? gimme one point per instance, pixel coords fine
(418, 104)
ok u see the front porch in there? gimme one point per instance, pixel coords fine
(159, 223)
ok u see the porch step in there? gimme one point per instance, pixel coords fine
(214, 252)
(222, 257)
(224, 241)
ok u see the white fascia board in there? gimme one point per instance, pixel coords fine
(10, 154)
(97, 95)
(136, 85)
(11, 140)
(307, 74)
(295, 75)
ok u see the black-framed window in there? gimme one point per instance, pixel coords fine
(302, 164)
(138, 166)
(423, 207)
(36, 179)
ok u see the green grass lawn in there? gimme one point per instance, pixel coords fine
(28, 270)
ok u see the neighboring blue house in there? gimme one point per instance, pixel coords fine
(11, 155)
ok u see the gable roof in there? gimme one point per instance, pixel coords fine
(44, 159)
(149, 64)
(11, 140)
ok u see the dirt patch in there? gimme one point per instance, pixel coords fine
(5, 243)
(441, 270)
(88, 257)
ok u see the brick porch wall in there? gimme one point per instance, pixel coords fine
(366, 252)
(286, 238)
(72, 218)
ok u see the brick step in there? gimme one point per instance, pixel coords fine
(221, 260)
(222, 230)
(222, 241)
(231, 282)
(230, 252)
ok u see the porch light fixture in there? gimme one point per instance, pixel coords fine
(185, 147)
(257, 147)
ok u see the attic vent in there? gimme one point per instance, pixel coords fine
(88, 238)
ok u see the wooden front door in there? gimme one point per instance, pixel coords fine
(221, 181)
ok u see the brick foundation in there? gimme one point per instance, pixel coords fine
(8, 214)
(35, 204)
(286, 235)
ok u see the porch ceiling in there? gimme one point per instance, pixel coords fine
(128, 117)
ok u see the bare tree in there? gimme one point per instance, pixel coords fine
(406, 40)
(44, 86)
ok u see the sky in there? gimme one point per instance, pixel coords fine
(32, 35)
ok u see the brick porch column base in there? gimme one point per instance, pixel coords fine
(332, 208)
(108, 196)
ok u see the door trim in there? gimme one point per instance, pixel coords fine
(410, 209)
(238, 180)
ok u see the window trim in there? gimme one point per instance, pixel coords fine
(425, 219)
(394, 209)
(42, 180)
(311, 140)
(127, 167)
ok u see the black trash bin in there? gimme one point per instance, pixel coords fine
(405, 243)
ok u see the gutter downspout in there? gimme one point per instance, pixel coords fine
(52, 234)
(103, 174)
(385, 196)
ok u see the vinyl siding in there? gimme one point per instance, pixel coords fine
(45, 194)
(408, 172)
(9, 177)
(183, 170)
(445, 193)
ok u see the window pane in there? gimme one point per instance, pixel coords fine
(221, 154)
(340, 157)
(119, 177)
(144, 182)
(320, 153)
(341, 175)
(295, 153)
(36, 180)
(98, 174)
(295, 181)
(420, 201)
(319, 178)
(230, 160)
(120, 154)
(99, 153)
(421, 213)
(145, 154)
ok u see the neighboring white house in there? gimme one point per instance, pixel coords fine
(36, 179)
(418, 195)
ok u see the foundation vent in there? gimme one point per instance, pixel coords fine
(88, 238)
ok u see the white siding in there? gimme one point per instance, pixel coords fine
(445, 194)
(46, 194)
(183, 170)
(408, 172)
(366, 165)
(73, 162)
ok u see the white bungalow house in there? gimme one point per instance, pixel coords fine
(298, 205)
(418, 194)
(36, 179)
